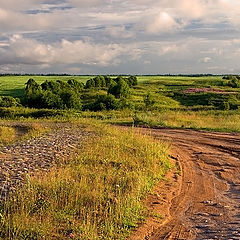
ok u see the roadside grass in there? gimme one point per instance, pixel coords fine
(7, 135)
(94, 196)
(227, 121)
(10, 133)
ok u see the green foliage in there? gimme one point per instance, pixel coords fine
(97, 82)
(132, 81)
(8, 101)
(119, 90)
(78, 86)
(105, 102)
(90, 84)
(234, 82)
(33, 93)
(53, 94)
(149, 100)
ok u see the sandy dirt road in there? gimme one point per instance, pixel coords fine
(206, 202)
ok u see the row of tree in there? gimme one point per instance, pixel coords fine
(67, 95)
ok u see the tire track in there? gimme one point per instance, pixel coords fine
(208, 204)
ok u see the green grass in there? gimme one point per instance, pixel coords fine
(14, 85)
(97, 195)
(224, 121)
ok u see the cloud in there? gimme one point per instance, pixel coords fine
(86, 3)
(207, 59)
(161, 22)
(29, 51)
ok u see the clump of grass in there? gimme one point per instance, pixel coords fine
(94, 196)
(205, 120)
(7, 135)
(35, 130)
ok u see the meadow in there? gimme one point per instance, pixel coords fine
(99, 193)
(205, 102)
(96, 195)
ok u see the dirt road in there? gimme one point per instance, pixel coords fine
(206, 204)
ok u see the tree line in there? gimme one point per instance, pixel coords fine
(67, 95)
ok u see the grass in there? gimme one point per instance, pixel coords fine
(19, 132)
(7, 135)
(227, 121)
(14, 85)
(97, 195)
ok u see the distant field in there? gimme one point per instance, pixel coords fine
(14, 85)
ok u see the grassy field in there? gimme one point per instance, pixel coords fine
(97, 195)
(14, 85)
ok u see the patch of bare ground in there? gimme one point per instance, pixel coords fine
(38, 153)
(204, 203)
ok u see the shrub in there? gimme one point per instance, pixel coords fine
(234, 83)
(8, 101)
(105, 102)
(119, 90)
(53, 94)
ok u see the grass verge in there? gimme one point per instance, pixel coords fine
(94, 196)
(7, 135)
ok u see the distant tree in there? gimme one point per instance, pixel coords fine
(33, 93)
(71, 99)
(132, 81)
(90, 84)
(78, 86)
(8, 101)
(105, 102)
(51, 100)
(107, 80)
(234, 82)
(119, 90)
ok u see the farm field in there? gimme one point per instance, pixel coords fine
(120, 167)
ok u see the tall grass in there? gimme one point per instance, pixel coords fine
(94, 196)
(209, 120)
(7, 135)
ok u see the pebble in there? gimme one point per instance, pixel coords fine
(36, 154)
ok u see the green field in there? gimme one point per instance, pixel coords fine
(14, 85)
(122, 167)
(170, 105)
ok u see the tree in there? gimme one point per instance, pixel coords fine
(234, 82)
(33, 93)
(90, 84)
(119, 90)
(8, 101)
(132, 81)
(78, 86)
(105, 102)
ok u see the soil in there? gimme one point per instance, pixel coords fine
(200, 198)
(26, 157)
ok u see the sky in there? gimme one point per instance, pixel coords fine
(120, 36)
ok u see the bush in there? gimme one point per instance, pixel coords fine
(119, 90)
(53, 94)
(8, 101)
(234, 83)
(105, 102)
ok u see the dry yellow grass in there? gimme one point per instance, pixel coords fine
(94, 196)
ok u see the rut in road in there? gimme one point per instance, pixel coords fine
(35, 154)
(208, 203)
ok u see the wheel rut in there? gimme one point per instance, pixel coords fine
(208, 203)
